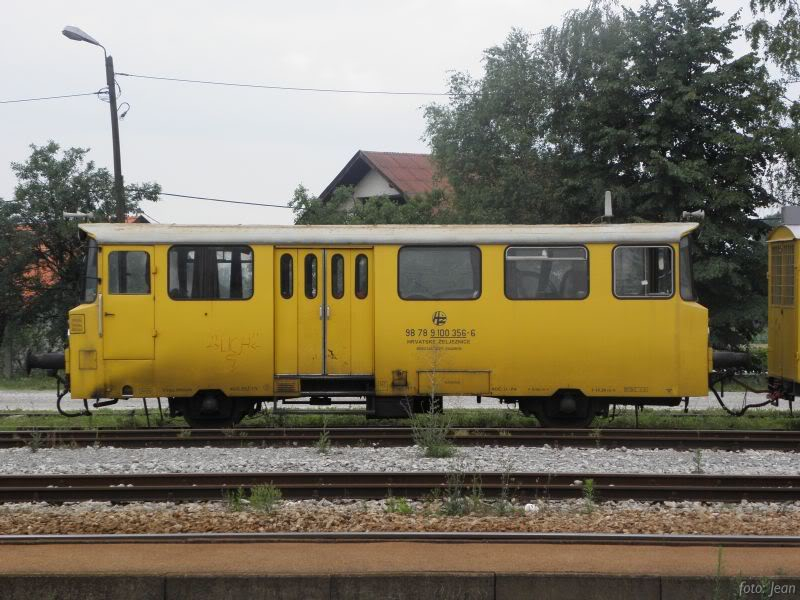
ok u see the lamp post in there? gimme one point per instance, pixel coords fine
(79, 35)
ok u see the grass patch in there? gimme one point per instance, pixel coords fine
(34, 382)
(501, 419)
(706, 419)
(104, 418)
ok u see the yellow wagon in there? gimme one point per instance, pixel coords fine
(564, 320)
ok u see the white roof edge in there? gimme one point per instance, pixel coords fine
(321, 235)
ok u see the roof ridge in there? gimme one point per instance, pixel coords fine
(392, 152)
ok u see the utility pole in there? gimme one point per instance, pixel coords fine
(119, 188)
(118, 192)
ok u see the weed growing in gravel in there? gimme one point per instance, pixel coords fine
(265, 498)
(453, 501)
(399, 506)
(589, 495)
(698, 462)
(324, 442)
(504, 506)
(34, 441)
(596, 437)
(235, 499)
(430, 432)
(476, 503)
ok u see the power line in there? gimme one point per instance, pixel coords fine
(48, 98)
(225, 201)
(286, 87)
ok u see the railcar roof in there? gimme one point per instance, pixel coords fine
(778, 233)
(147, 233)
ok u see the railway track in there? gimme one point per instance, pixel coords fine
(401, 436)
(213, 486)
(626, 539)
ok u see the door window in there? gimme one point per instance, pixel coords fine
(311, 276)
(337, 276)
(362, 276)
(128, 272)
(287, 276)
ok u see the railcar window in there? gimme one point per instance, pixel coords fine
(553, 273)
(782, 273)
(90, 278)
(439, 273)
(362, 276)
(687, 280)
(210, 272)
(128, 272)
(337, 276)
(643, 271)
(287, 276)
(311, 276)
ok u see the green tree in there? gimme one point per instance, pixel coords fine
(649, 103)
(46, 269)
(342, 209)
(15, 256)
(780, 39)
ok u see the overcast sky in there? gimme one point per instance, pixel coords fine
(242, 144)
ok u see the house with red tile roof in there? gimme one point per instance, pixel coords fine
(398, 175)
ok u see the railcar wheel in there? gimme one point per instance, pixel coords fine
(571, 422)
(562, 410)
(212, 410)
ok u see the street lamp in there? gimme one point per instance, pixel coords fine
(74, 33)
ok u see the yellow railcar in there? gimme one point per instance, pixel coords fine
(783, 363)
(564, 320)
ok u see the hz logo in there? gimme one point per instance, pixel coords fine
(439, 318)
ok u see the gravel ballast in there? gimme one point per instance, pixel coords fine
(308, 515)
(108, 460)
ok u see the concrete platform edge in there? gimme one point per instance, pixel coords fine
(397, 586)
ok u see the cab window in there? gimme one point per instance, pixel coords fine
(687, 280)
(439, 273)
(210, 272)
(90, 278)
(546, 273)
(643, 272)
(128, 272)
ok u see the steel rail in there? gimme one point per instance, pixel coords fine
(182, 487)
(400, 436)
(764, 541)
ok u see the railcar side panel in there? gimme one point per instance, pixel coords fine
(224, 344)
(603, 345)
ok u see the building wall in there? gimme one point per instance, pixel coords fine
(373, 184)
